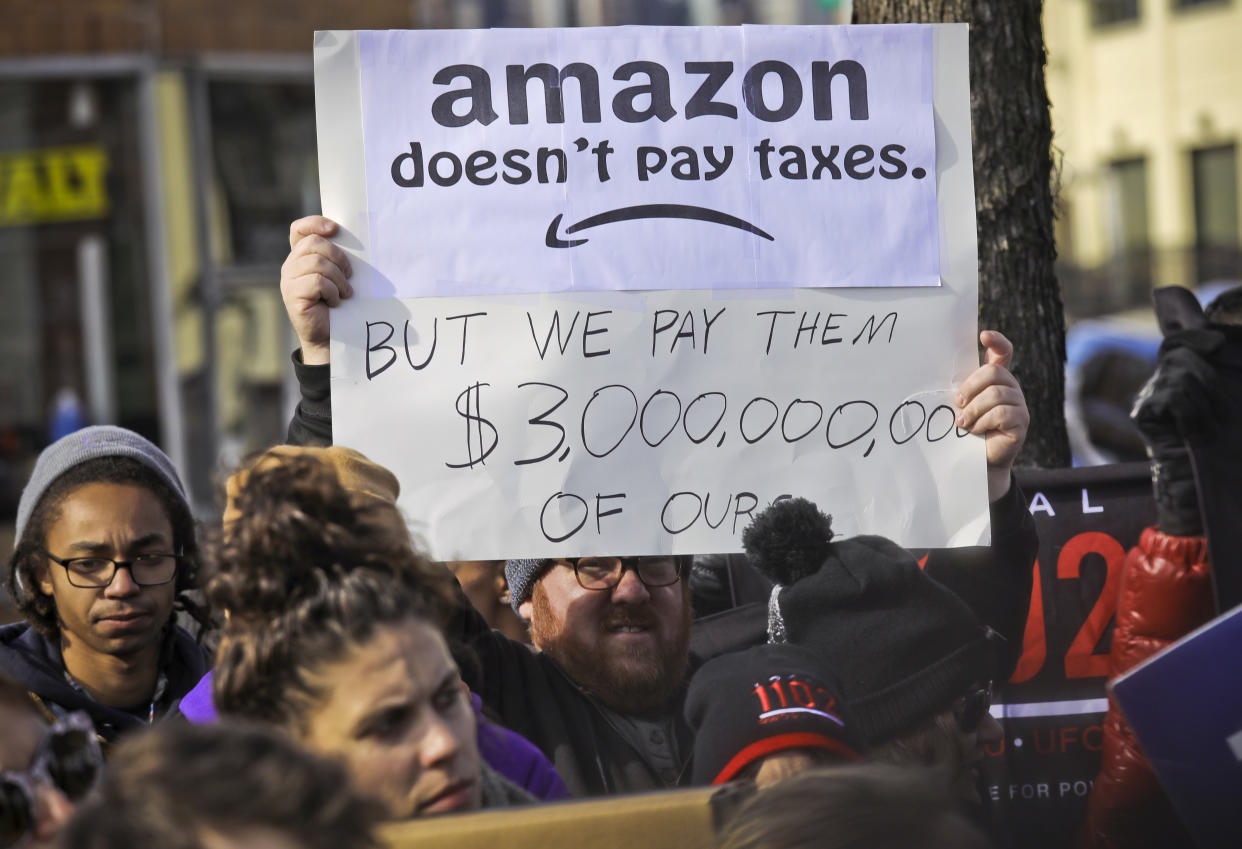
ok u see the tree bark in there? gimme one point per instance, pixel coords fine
(1012, 140)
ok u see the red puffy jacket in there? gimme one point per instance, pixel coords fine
(1166, 592)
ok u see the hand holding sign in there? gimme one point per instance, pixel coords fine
(994, 407)
(314, 277)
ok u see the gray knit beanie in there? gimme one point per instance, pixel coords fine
(89, 444)
(521, 575)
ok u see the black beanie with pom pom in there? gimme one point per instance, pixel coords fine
(905, 646)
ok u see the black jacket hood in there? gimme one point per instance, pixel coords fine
(36, 664)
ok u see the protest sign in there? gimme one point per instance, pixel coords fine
(1052, 708)
(621, 288)
(1185, 706)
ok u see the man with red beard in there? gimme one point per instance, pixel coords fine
(624, 641)
(613, 635)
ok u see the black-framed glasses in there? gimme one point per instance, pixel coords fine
(69, 759)
(970, 708)
(146, 570)
(604, 573)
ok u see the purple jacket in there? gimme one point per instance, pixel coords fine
(505, 751)
(517, 759)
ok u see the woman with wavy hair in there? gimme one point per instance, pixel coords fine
(333, 632)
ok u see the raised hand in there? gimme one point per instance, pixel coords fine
(990, 403)
(313, 279)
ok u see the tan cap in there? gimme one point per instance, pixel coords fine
(368, 482)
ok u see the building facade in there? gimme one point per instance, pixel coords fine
(1147, 119)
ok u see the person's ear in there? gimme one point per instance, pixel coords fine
(43, 577)
(525, 609)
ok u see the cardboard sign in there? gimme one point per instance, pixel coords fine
(617, 353)
(670, 819)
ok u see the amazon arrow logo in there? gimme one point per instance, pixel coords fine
(649, 210)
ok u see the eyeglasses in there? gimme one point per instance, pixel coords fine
(970, 708)
(69, 759)
(604, 573)
(146, 570)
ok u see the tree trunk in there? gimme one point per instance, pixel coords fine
(1012, 132)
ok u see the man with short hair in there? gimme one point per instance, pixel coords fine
(620, 626)
(602, 695)
(105, 550)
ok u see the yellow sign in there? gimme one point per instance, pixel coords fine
(53, 184)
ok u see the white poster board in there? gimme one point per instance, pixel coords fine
(626, 357)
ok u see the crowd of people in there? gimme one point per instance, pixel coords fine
(300, 672)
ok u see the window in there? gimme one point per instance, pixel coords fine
(266, 172)
(1131, 266)
(263, 136)
(1130, 231)
(1108, 12)
(1214, 176)
(1187, 4)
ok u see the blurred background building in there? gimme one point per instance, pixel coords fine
(1147, 114)
(1147, 120)
(153, 153)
